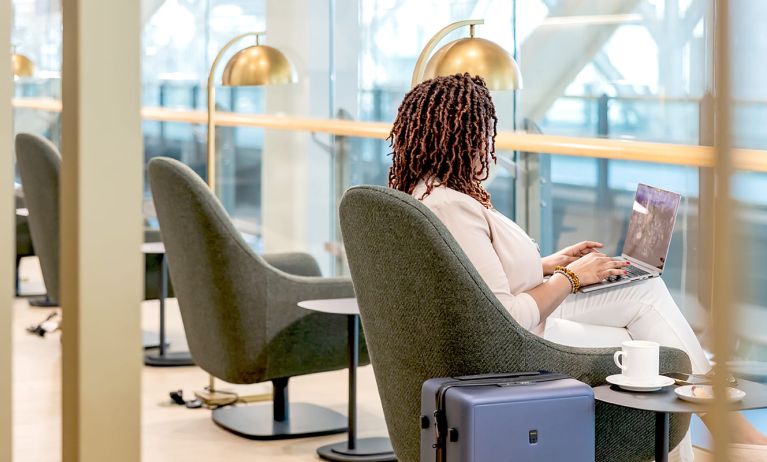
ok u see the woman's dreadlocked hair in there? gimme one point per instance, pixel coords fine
(444, 133)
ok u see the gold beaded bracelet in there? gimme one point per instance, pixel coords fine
(575, 283)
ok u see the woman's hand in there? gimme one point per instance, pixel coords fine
(568, 255)
(596, 267)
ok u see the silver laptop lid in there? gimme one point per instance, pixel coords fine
(652, 223)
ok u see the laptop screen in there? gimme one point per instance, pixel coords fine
(652, 224)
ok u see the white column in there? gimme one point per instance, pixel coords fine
(347, 43)
(296, 171)
(101, 231)
(7, 228)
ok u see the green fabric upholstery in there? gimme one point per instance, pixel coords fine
(39, 167)
(153, 269)
(23, 236)
(428, 313)
(239, 309)
(24, 246)
(39, 164)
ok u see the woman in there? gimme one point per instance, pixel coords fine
(443, 143)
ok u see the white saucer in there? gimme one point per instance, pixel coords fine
(653, 384)
(705, 394)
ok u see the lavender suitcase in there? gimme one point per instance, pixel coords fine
(532, 416)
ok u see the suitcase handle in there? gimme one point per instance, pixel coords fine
(500, 376)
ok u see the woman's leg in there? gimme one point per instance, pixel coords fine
(646, 309)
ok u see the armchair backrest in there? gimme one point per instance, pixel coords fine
(425, 309)
(39, 164)
(219, 281)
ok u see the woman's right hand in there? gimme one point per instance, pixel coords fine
(596, 267)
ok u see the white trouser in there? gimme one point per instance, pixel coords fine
(645, 309)
(648, 312)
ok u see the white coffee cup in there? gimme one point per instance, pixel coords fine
(638, 360)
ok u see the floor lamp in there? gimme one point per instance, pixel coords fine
(22, 66)
(255, 65)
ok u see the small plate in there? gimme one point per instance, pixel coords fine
(646, 385)
(705, 394)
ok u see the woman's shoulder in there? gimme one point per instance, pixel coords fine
(443, 198)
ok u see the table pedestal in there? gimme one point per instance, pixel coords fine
(165, 358)
(664, 402)
(661, 436)
(366, 449)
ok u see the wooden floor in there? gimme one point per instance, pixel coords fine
(170, 433)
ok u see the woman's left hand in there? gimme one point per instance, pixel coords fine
(568, 255)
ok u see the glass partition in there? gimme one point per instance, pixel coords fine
(749, 189)
(36, 34)
(629, 70)
(624, 69)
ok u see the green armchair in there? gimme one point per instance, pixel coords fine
(427, 313)
(240, 309)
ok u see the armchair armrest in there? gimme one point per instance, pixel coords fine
(152, 235)
(315, 288)
(322, 337)
(296, 263)
(674, 360)
(593, 365)
(286, 290)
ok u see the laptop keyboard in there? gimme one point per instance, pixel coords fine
(633, 271)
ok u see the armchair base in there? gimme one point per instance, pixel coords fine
(42, 302)
(256, 422)
(169, 359)
(151, 340)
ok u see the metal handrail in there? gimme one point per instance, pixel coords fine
(600, 148)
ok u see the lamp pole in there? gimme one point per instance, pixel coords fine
(212, 137)
(212, 108)
(267, 66)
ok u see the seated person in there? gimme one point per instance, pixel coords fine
(443, 144)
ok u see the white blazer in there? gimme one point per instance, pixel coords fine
(505, 256)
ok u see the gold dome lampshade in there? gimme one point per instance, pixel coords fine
(22, 66)
(474, 55)
(258, 65)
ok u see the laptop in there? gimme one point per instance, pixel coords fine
(648, 236)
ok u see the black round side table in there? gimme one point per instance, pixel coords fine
(353, 449)
(664, 402)
(164, 358)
